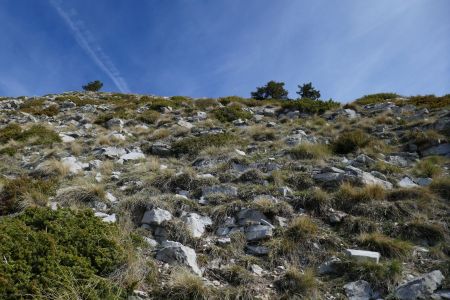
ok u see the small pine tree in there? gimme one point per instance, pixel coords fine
(308, 91)
(272, 90)
(93, 86)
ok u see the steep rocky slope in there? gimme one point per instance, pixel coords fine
(223, 198)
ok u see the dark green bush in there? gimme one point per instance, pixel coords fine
(427, 234)
(10, 151)
(231, 113)
(10, 132)
(350, 141)
(428, 101)
(381, 275)
(376, 98)
(310, 106)
(41, 248)
(149, 116)
(193, 145)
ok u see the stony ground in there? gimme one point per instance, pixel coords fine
(240, 199)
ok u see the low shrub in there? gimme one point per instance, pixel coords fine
(429, 166)
(149, 116)
(423, 139)
(14, 191)
(387, 246)
(184, 285)
(350, 141)
(310, 151)
(301, 228)
(428, 101)
(310, 106)
(41, 248)
(376, 98)
(10, 132)
(193, 145)
(387, 168)
(348, 196)
(231, 113)
(382, 276)
(37, 134)
(441, 186)
(237, 275)
(427, 234)
(296, 283)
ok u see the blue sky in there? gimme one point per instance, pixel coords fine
(213, 48)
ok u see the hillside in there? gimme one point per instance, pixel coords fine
(116, 196)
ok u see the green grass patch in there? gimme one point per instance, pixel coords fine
(193, 145)
(310, 151)
(37, 134)
(350, 141)
(231, 113)
(388, 247)
(376, 98)
(310, 106)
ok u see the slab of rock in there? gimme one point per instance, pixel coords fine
(176, 253)
(220, 189)
(134, 155)
(196, 223)
(329, 267)
(113, 152)
(74, 165)
(363, 255)
(257, 250)
(358, 290)
(66, 138)
(156, 216)
(442, 149)
(251, 216)
(406, 182)
(185, 124)
(114, 123)
(106, 218)
(367, 178)
(421, 287)
(258, 232)
(161, 149)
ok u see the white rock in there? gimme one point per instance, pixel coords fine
(421, 287)
(106, 218)
(196, 223)
(110, 197)
(256, 269)
(73, 164)
(239, 152)
(131, 156)
(156, 216)
(174, 252)
(358, 290)
(406, 182)
(66, 138)
(363, 255)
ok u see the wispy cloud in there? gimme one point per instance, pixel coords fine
(88, 43)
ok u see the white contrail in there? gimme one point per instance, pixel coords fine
(87, 41)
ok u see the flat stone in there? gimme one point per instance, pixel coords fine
(174, 252)
(406, 182)
(363, 255)
(258, 232)
(358, 290)
(196, 223)
(421, 287)
(156, 216)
